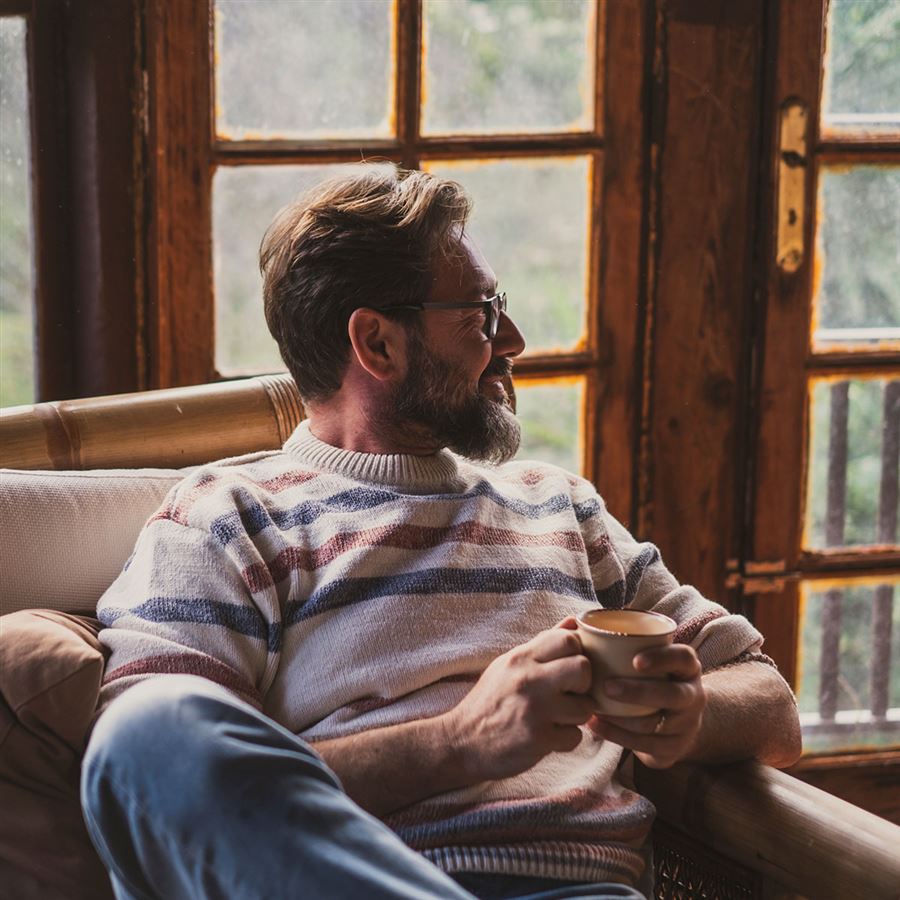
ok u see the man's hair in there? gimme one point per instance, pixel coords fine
(369, 239)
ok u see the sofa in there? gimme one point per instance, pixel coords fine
(78, 480)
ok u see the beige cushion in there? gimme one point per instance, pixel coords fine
(64, 536)
(51, 665)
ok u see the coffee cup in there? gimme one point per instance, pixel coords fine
(611, 638)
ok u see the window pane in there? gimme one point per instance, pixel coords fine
(857, 297)
(849, 665)
(16, 288)
(516, 65)
(862, 66)
(531, 219)
(245, 200)
(852, 487)
(299, 70)
(551, 416)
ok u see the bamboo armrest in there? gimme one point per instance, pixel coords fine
(168, 428)
(797, 835)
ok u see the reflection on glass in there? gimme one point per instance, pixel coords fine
(858, 249)
(516, 65)
(551, 416)
(849, 665)
(531, 220)
(304, 69)
(852, 487)
(245, 200)
(862, 66)
(16, 289)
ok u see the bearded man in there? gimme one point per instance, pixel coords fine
(348, 668)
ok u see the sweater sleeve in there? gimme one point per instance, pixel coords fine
(184, 604)
(631, 574)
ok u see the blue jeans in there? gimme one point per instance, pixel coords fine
(189, 793)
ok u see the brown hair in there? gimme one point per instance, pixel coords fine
(364, 239)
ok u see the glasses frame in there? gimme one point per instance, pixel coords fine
(492, 307)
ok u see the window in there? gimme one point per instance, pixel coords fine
(827, 492)
(17, 383)
(436, 86)
(507, 98)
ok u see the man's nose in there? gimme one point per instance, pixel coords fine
(508, 341)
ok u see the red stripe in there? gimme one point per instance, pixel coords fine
(261, 576)
(687, 631)
(178, 512)
(189, 664)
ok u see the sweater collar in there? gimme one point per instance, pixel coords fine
(436, 471)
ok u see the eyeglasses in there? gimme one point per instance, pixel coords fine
(492, 307)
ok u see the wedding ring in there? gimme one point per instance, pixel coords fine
(657, 728)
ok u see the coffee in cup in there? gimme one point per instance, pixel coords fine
(611, 638)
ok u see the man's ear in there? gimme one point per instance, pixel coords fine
(378, 343)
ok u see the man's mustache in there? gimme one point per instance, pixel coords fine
(499, 366)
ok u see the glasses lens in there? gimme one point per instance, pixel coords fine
(498, 305)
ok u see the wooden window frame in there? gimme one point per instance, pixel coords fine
(181, 84)
(777, 563)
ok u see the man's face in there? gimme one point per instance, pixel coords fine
(452, 388)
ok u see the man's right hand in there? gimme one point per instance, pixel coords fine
(528, 702)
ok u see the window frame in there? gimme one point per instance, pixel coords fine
(181, 90)
(777, 563)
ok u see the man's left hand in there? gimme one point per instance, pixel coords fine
(672, 684)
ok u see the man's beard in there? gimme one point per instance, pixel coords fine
(434, 398)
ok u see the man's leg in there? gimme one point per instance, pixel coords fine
(190, 793)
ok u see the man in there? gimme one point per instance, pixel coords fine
(392, 701)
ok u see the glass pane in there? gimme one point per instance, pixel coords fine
(857, 296)
(16, 288)
(531, 219)
(551, 415)
(862, 66)
(852, 487)
(848, 686)
(508, 65)
(299, 70)
(245, 200)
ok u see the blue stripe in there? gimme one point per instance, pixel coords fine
(588, 509)
(621, 593)
(255, 518)
(199, 611)
(346, 591)
(639, 565)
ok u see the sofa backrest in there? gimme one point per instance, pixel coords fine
(82, 476)
(66, 535)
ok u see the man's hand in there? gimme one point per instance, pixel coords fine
(660, 739)
(528, 702)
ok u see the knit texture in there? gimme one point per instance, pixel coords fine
(341, 591)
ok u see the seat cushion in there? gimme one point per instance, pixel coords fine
(66, 535)
(51, 666)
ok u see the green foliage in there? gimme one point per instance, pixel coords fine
(16, 293)
(863, 60)
(859, 246)
(550, 416)
(495, 65)
(865, 417)
(855, 653)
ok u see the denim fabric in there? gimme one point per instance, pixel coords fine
(190, 793)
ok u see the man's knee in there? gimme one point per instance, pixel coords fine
(160, 731)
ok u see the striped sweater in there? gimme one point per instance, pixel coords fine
(340, 591)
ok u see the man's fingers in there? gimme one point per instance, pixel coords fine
(568, 674)
(652, 692)
(572, 709)
(660, 746)
(554, 643)
(677, 661)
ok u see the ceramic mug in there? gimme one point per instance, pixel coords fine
(611, 638)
